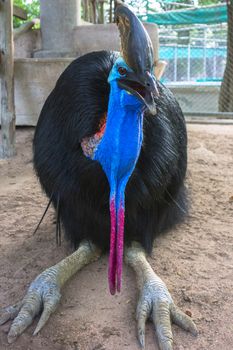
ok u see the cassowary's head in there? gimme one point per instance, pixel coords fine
(132, 91)
(128, 93)
(137, 52)
(130, 83)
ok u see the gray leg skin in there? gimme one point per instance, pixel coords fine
(155, 301)
(44, 292)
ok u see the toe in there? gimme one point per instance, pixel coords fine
(162, 322)
(50, 304)
(183, 320)
(9, 313)
(143, 312)
(31, 307)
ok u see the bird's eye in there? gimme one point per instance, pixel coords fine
(122, 71)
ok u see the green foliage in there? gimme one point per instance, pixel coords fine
(32, 7)
(208, 2)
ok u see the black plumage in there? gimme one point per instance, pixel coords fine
(155, 194)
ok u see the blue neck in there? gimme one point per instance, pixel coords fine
(120, 146)
(118, 153)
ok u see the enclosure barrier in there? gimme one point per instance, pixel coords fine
(197, 46)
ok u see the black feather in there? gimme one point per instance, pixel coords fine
(44, 213)
(155, 194)
(58, 223)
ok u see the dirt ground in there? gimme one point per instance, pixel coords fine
(195, 260)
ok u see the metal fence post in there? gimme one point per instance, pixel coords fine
(189, 57)
(175, 64)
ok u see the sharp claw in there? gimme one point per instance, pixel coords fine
(11, 338)
(41, 323)
(141, 337)
(194, 329)
(43, 319)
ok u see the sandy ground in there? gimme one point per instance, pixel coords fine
(195, 260)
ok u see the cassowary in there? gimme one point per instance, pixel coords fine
(110, 150)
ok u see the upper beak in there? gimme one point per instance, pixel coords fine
(137, 51)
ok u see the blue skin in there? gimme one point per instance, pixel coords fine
(120, 146)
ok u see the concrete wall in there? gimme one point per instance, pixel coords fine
(34, 80)
(27, 43)
(106, 37)
(197, 97)
(85, 38)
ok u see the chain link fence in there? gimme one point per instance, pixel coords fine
(194, 55)
(196, 59)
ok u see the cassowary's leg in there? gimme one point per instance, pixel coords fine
(44, 291)
(155, 301)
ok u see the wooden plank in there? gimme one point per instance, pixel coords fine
(20, 13)
(7, 80)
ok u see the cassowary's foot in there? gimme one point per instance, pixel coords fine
(155, 301)
(44, 292)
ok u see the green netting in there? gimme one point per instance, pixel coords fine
(204, 15)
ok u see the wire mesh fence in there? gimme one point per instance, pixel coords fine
(196, 59)
(192, 56)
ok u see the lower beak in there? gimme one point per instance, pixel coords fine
(145, 89)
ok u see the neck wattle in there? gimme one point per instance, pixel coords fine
(118, 153)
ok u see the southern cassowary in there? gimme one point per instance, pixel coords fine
(110, 150)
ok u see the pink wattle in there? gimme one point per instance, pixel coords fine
(116, 247)
(112, 253)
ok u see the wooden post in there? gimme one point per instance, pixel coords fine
(20, 13)
(101, 11)
(7, 79)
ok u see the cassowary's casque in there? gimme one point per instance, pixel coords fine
(110, 151)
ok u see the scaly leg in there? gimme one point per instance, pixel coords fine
(44, 291)
(155, 301)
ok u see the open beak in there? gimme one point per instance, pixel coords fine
(146, 92)
(137, 51)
